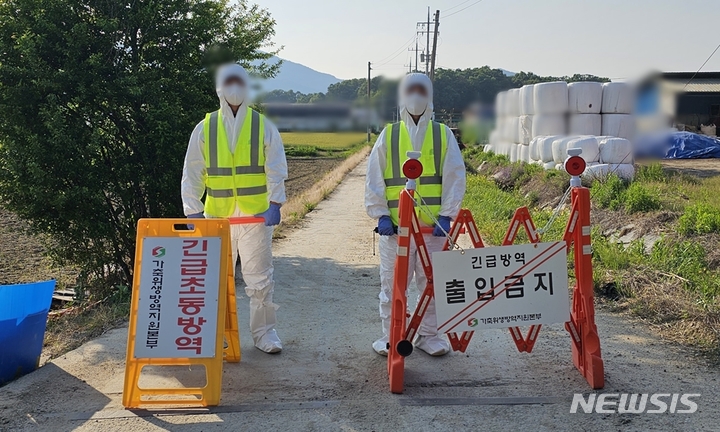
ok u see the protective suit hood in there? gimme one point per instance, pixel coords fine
(408, 81)
(223, 73)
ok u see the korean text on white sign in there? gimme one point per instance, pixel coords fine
(178, 305)
(499, 287)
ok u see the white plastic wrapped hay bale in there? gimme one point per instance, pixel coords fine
(526, 100)
(494, 137)
(512, 102)
(585, 124)
(513, 153)
(525, 129)
(615, 151)
(618, 125)
(524, 153)
(589, 146)
(602, 171)
(548, 124)
(500, 127)
(617, 98)
(550, 98)
(500, 105)
(504, 148)
(544, 148)
(534, 149)
(513, 129)
(559, 148)
(585, 97)
(549, 165)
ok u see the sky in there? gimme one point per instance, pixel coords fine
(619, 39)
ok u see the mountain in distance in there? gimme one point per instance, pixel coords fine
(303, 79)
(299, 78)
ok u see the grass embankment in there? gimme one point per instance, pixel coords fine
(655, 240)
(322, 144)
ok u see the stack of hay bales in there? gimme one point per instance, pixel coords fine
(539, 123)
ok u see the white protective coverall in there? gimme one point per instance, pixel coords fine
(251, 242)
(453, 191)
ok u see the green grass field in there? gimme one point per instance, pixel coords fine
(323, 140)
(322, 144)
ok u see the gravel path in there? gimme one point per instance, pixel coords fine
(328, 377)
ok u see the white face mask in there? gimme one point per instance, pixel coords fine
(416, 103)
(234, 94)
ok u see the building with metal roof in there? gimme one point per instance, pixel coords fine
(686, 100)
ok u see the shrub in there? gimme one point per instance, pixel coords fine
(640, 198)
(651, 173)
(301, 151)
(97, 102)
(607, 193)
(699, 219)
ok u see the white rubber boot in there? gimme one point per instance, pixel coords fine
(381, 346)
(262, 321)
(434, 345)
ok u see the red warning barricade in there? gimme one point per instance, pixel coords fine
(585, 340)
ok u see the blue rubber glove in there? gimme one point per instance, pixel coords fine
(196, 216)
(444, 223)
(271, 215)
(385, 226)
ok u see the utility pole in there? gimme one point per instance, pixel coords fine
(416, 53)
(427, 49)
(434, 50)
(422, 29)
(368, 102)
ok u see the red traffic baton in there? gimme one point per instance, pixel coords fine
(246, 220)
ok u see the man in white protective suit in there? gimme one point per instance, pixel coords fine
(236, 158)
(442, 187)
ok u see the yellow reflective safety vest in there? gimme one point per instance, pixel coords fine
(239, 178)
(429, 185)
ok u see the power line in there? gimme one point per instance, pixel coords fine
(456, 6)
(703, 65)
(466, 7)
(396, 52)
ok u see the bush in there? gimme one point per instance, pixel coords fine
(475, 155)
(699, 219)
(640, 198)
(651, 173)
(97, 102)
(301, 151)
(688, 260)
(608, 192)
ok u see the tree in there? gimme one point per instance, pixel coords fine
(97, 102)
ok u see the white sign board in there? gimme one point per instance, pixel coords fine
(179, 291)
(500, 287)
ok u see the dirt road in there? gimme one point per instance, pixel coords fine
(328, 378)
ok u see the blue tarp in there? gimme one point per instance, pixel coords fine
(678, 145)
(23, 315)
(686, 145)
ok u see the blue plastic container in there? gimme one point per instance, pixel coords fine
(23, 316)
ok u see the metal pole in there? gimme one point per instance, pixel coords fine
(368, 102)
(435, 38)
(427, 46)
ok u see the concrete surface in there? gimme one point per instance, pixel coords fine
(328, 377)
